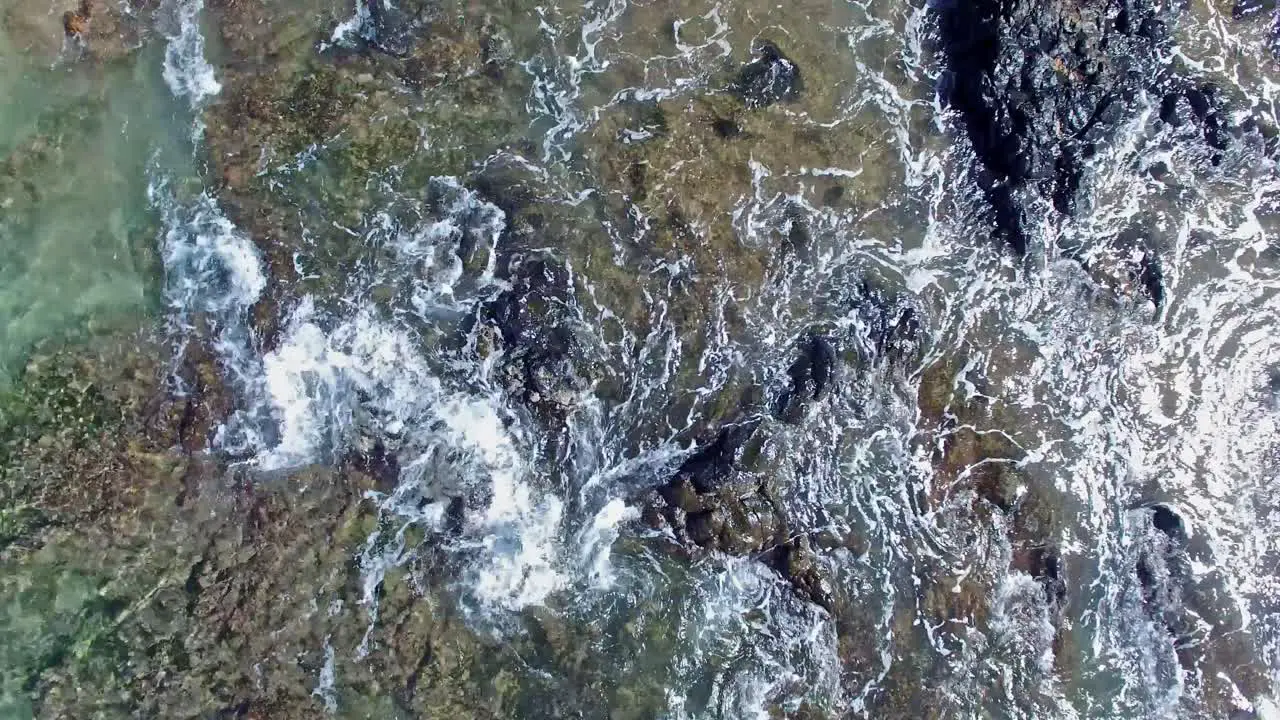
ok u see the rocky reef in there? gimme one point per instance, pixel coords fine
(678, 271)
(235, 610)
(99, 31)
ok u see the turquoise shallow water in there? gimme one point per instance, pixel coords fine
(78, 144)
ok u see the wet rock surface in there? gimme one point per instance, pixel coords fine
(98, 31)
(1040, 88)
(722, 498)
(770, 78)
(237, 612)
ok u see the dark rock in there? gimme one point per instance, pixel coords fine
(897, 333)
(1046, 567)
(798, 563)
(1038, 86)
(1164, 519)
(770, 78)
(1150, 275)
(507, 183)
(378, 462)
(712, 465)
(1199, 105)
(543, 361)
(1162, 566)
(1127, 264)
(391, 28)
(811, 376)
(726, 128)
(738, 528)
(715, 502)
(1169, 109)
(537, 284)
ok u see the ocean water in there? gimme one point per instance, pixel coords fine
(77, 234)
(1115, 413)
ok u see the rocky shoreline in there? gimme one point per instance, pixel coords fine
(150, 577)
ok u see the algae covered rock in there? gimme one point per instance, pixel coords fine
(313, 135)
(139, 578)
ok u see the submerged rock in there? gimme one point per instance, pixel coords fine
(1128, 266)
(690, 163)
(391, 26)
(770, 78)
(137, 579)
(723, 498)
(811, 377)
(101, 31)
(713, 465)
(1011, 521)
(543, 362)
(1201, 107)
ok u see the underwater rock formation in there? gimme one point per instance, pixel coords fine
(99, 31)
(221, 617)
(722, 498)
(811, 377)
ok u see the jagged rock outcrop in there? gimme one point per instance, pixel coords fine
(812, 375)
(1040, 87)
(723, 498)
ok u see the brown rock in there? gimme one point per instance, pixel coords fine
(75, 23)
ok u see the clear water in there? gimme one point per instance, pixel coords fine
(77, 233)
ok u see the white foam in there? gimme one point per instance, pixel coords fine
(186, 71)
(368, 378)
(325, 686)
(595, 541)
(303, 375)
(213, 275)
(340, 382)
(780, 645)
(348, 31)
(210, 266)
(1021, 624)
(519, 531)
